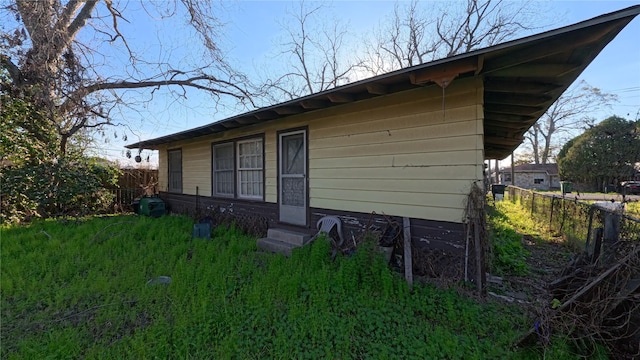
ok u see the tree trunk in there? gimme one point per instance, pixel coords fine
(533, 138)
(64, 139)
(547, 142)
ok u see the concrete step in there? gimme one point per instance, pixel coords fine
(276, 246)
(288, 236)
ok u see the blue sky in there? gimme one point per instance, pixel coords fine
(252, 33)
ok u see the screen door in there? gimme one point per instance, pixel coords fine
(293, 178)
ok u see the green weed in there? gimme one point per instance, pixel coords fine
(633, 209)
(78, 289)
(509, 255)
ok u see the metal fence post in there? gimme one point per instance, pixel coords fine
(533, 202)
(611, 227)
(553, 202)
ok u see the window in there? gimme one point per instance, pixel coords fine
(223, 170)
(507, 176)
(175, 171)
(538, 181)
(250, 169)
(238, 169)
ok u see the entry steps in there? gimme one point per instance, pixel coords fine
(283, 241)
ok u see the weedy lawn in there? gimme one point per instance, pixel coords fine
(78, 289)
(633, 209)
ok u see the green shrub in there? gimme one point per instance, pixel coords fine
(36, 180)
(70, 185)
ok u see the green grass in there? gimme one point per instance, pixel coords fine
(78, 289)
(633, 209)
(507, 222)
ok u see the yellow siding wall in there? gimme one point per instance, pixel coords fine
(407, 154)
(410, 155)
(196, 167)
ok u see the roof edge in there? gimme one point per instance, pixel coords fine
(631, 11)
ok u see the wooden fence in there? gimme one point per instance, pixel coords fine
(124, 197)
(132, 184)
(136, 178)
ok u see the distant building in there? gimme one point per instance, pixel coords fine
(532, 176)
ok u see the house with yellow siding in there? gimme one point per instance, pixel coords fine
(407, 144)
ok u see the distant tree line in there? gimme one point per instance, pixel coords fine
(604, 154)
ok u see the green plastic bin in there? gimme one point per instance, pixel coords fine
(566, 187)
(151, 206)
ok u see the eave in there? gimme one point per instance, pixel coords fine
(522, 79)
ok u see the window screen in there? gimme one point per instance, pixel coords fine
(175, 171)
(223, 170)
(250, 171)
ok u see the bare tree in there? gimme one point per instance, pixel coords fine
(403, 41)
(571, 112)
(416, 33)
(52, 53)
(313, 52)
(483, 23)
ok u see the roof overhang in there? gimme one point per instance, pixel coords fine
(522, 79)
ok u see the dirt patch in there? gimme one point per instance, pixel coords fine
(547, 257)
(546, 261)
(588, 301)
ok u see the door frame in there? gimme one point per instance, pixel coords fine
(281, 133)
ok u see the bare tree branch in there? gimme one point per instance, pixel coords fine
(315, 55)
(192, 82)
(568, 114)
(411, 37)
(66, 16)
(66, 76)
(79, 22)
(12, 69)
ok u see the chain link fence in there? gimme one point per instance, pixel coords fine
(576, 220)
(598, 292)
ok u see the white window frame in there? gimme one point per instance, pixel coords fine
(256, 165)
(216, 172)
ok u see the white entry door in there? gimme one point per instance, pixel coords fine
(292, 177)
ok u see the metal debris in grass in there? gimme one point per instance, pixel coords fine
(102, 235)
(160, 280)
